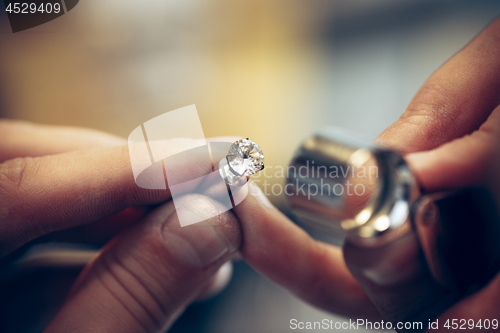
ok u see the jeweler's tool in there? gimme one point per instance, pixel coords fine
(367, 196)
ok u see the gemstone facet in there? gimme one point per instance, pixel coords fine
(245, 158)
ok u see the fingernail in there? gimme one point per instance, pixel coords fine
(196, 245)
(419, 160)
(257, 193)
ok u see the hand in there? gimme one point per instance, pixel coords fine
(455, 118)
(75, 184)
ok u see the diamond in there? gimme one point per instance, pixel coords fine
(245, 158)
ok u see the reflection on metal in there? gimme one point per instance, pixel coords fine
(351, 188)
(457, 232)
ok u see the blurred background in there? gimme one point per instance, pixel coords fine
(270, 70)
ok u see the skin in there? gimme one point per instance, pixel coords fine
(450, 134)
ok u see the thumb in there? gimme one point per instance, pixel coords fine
(472, 160)
(145, 277)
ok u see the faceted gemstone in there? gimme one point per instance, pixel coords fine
(230, 177)
(245, 158)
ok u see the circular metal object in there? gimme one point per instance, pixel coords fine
(351, 188)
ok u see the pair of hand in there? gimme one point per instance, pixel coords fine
(59, 178)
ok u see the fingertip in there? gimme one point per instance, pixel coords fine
(460, 163)
(146, 276)
(218, 282)
(421, 160)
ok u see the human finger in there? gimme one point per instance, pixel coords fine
(454, 101)
(145, 277)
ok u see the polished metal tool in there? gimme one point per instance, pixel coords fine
(367, 196)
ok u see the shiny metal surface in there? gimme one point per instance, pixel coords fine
(351, 188)
(390, 218)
